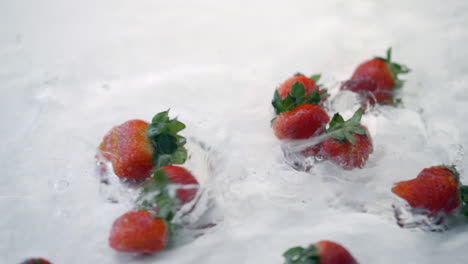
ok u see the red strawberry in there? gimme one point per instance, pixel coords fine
(303, 122)
(36, 261)
(309, 84)
(436, 189)
(376, 79)
(322, 252)
(181, 176)
(129, 149)
(139, 231)
(157, 191)
(349, 143)
(136, 147)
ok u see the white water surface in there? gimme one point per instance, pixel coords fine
(71, 70)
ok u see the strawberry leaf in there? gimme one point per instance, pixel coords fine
(296, 97)
(300, 255)
(168, 145)
(395, 68)
(345, 130)
(316, 77)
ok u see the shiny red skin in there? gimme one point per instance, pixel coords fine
(346, 154)
(179, 175)
(435, 189)
(333, 253)
(36, 261)
(374, 80)
(286, 87)
(129, 150)
(139, 232)
(302, 122)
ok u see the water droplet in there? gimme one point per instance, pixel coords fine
(61, 185)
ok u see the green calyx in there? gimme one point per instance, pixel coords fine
(344, 130)
(168, 145)
(156, 196)
(464, 200)
(297, 97)
(300, 255)
(395, 68)
(454, 170)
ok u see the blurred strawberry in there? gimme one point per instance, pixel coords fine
(36, 261)
(376, 79)
(136, 147)
(323, 252)
(140, 232)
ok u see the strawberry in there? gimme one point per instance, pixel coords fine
(291, 95)
(322, 252)
(376, 79)
(140, 232)
(349, 143)
(302, 122)
(136, 147)
(36, 261)
(310, 85)
(157, 190)
(180, 176)
(436, 189)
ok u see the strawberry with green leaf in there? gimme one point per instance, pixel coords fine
(436, 189)
(139, 232)
(36, 261)
(310, 85)
(349, 143)
(158, 191)
(299, 116)
(322, 252)
(377, 79)
(136, 147)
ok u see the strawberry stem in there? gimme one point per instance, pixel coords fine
(300, 255)
(343, 131)
(395, 68)
(168, 145)
(156, 196)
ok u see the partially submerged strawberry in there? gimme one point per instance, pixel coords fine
(376, 79)
(186, 183)
(158, 191)
(322, 252)
(136, 147)
(436, 189)
(36, 261)
(349, 143)
(139, 232)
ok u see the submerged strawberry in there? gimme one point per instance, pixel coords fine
(136, 147)
(158, 191)
(36, 261)
(187, 184)
(140, 232)
(436, 189)
(323, 252)
(376, 79)
(349, 143)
